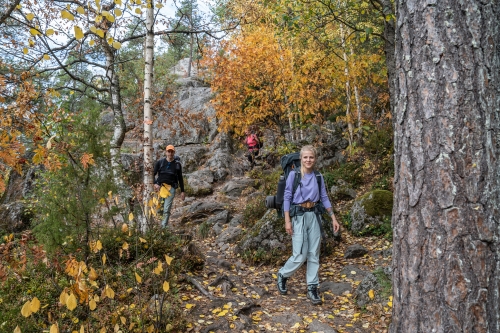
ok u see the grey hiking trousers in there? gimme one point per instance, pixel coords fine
(306, 241)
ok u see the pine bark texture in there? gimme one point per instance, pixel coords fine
(446, 219)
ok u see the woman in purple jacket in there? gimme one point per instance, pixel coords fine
(304, 226)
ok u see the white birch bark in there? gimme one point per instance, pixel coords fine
(148, 114)
(118, 119)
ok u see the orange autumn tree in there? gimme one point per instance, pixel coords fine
(257, 78)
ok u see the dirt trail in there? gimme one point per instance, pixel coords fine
(229, 295)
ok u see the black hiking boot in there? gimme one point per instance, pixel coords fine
(282, 284)
(312, 294)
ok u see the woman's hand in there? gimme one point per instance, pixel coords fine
(288, 227)
(336, 225)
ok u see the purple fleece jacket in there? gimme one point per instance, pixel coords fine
(308, 191)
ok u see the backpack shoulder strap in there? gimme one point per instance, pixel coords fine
(318, 178)
(162, 161)
(296, 182)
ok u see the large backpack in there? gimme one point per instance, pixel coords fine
(288, 163)
(177, 160)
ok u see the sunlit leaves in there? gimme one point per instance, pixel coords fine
(138, 278)
(17, 330)
(71, 302)
(159, 5)
(166, 286)
(138, 11)
(118, 2)
(168, 259)
(371, 294)
(117, 45)
(54, 328)
(78, 32)
(34, 32)
(49, 32)
(158, 269)
(109, 292)
(25, 50)
(67, 15)
(80, 10)
(30, 16)
(165, 191)
(30, 307)
(118, 12)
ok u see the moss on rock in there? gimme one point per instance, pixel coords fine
(370, 211)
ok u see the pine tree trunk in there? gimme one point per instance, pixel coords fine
(148, 114)
(446, 217)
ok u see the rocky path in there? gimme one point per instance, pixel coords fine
(229, 295)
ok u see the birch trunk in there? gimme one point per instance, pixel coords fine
(347, 88)
(118, 119)
(148, 114)
(446, 217)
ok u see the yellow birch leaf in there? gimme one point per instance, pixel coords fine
(389, 304)
(168, 259)
(19, 6)
(34, 31)
(189, 306)
(110, 18)
(103, 330)
(138, 11)
(67, 15)
(110, 40)
(63, 297)
(125, 246)
(92, 305)
(158, 268)
(46, 57)
(54, 328)
(35, 305)
(17, 330)
(123, 320)
(49, 32)
(142, 240)
(130, 216)
(30, 16)
(91, 42)
(80, 10)
(118, 2)
(98, 245)
(166, 286)
(25, 50)
(78, 32)
(117, 45)
(109, 292)
(82, 330)
(71, 302)
(138, 278)
(150, 329)
(93, 274)
(104, 259)
(98, 19)
(26, 309)
(371, 294)
(94, 30)
(165, 191)
(118, 12)
(158, 5)
(125, 227)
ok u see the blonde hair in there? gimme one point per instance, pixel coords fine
(308, 148)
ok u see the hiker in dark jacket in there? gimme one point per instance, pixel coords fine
(169, 171)
(304, 226)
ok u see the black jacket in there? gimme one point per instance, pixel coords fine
(168, 173)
